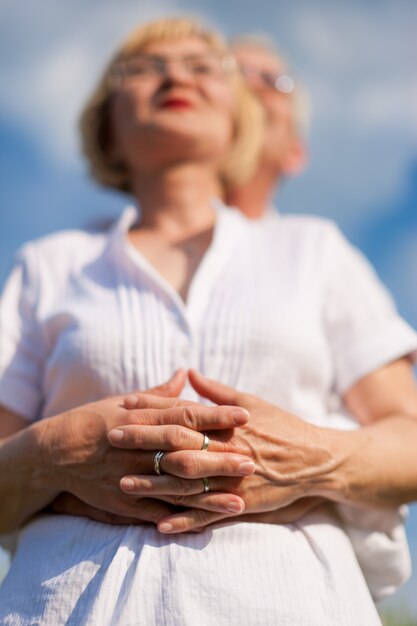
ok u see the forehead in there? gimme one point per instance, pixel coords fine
(183, 46)
(255, 57)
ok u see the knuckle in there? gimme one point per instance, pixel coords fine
(190, 417)
(185, 486)
(178, 437)
(136, 436)
(188, 465)
(201, 517)
(227, 464)
(131, 417)
(180, 402)
(179, 500)
(145, 416)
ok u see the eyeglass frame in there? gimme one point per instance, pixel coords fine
(270, 79)
(161, 65)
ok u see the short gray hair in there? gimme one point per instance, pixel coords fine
(301, 97)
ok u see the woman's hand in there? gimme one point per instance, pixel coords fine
(290, 455)
(89, 467)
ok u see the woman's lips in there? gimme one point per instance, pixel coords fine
(176, 103)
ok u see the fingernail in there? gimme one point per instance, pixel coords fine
(240, 416)
(116, 435)
(235, 507)
(165, 527)
(246, 468)
(127, 483)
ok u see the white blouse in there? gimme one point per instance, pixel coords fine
(283, 308)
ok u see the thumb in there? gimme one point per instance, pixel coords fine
(172, 387)
(213, 390)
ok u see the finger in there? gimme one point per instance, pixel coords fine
(146, 399)
(216, 502)
(68, 504)
(148, 509)
(286, 515)
(170, 389)
(136, 437)
(197, 417)
(190, 520)
(193, 464)
(213, 390)
(166, 485)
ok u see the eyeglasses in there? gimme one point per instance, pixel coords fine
(273, 80)
(144, 66)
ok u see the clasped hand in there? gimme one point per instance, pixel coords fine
(272, 466)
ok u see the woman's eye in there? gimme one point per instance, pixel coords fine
(139, 69)
(202, 68)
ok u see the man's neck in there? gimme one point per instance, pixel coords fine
(255, 197)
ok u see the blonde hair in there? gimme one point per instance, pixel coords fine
(240, 161)
(301, 105)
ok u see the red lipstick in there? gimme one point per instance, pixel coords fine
(176, 103)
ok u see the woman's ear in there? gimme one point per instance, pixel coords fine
(296, 159)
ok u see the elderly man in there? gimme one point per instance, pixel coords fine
(284, 151)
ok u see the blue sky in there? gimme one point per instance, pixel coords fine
(356, 58)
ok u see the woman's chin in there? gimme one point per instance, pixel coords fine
(184, 140)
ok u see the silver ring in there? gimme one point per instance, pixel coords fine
(206, 442)
(206, 485)
(156, 462)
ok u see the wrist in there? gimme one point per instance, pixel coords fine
(339, 480)
(27, 481)
(44, 456)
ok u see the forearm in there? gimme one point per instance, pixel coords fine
(27, 480)
(374, 465)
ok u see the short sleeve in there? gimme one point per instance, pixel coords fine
(22, 350)
(362, 325)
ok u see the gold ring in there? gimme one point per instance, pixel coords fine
(206, 485)
(206, 442)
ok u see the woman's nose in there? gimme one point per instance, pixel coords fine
(177, 71)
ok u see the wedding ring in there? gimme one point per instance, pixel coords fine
(206, 485)
(156, 462)
(206, 442)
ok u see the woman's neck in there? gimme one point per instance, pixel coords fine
(177, 200)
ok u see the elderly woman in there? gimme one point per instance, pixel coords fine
(286, 312)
